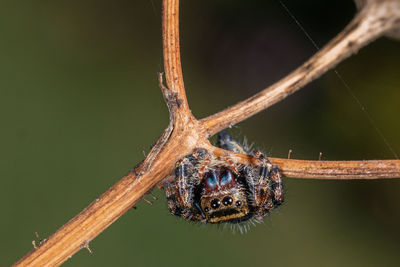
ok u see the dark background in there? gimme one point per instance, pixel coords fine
(79, 102)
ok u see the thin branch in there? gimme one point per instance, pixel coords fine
(325, 170)
(338, 170)
(171, 49)
(185, 133)
(375, 19)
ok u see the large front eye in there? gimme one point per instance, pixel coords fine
(215, 203)
(226, 177)
(211, 180)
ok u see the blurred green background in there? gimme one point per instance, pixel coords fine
(79, 102)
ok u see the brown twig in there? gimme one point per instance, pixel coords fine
(338, 170)
(375, 19)
(185, 133)
(323, 170)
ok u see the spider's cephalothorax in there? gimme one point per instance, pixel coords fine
(218, 189)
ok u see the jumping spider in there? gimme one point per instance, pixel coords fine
(215, 190)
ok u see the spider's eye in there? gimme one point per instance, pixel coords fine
(226, 177)
(211, 180)
(215, 203)
(227, 201)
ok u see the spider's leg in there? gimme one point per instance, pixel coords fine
(180, 193)
(174, 204)
(225, 141)
(203, 164)
(276, 186)
(228, 161)
(268, 186)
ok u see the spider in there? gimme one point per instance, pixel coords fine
(215, 189)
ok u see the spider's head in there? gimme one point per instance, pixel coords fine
(223, 198)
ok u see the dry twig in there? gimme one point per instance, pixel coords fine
(184, 133)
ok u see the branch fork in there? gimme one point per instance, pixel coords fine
(185, 133)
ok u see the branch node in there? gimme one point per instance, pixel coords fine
(139, 170)
(289, 153)
(171, 97)
(34, 244)
(41, 241)
(86, 245)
